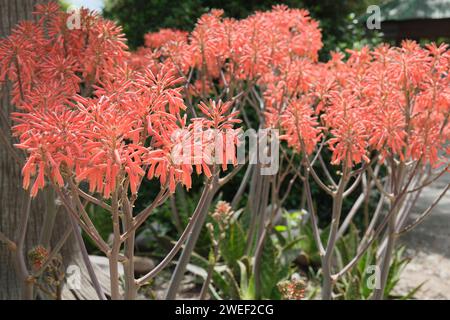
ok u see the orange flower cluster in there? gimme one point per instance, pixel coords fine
(89, 107)
(394, 100)
(164, 36)
(240, 49)
(86, 112)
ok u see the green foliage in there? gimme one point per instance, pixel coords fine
(232, 247)
(272, 270)
(297, 240)
(296, 237)
(233, 276)
(358, 283)
(222, 288)
(64, 5)
(247, 281)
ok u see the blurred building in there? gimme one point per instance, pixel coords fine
(416, 20)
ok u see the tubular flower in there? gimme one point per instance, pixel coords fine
(349, 136)
(52, 140)
(301, 126)
(217, 133)
(156, 40)
(207, 45)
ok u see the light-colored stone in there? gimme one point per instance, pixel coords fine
(429, 247)
(143, 265)
(103, 264)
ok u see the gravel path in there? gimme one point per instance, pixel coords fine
(428, 245)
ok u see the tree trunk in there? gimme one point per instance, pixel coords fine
(13, 197)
